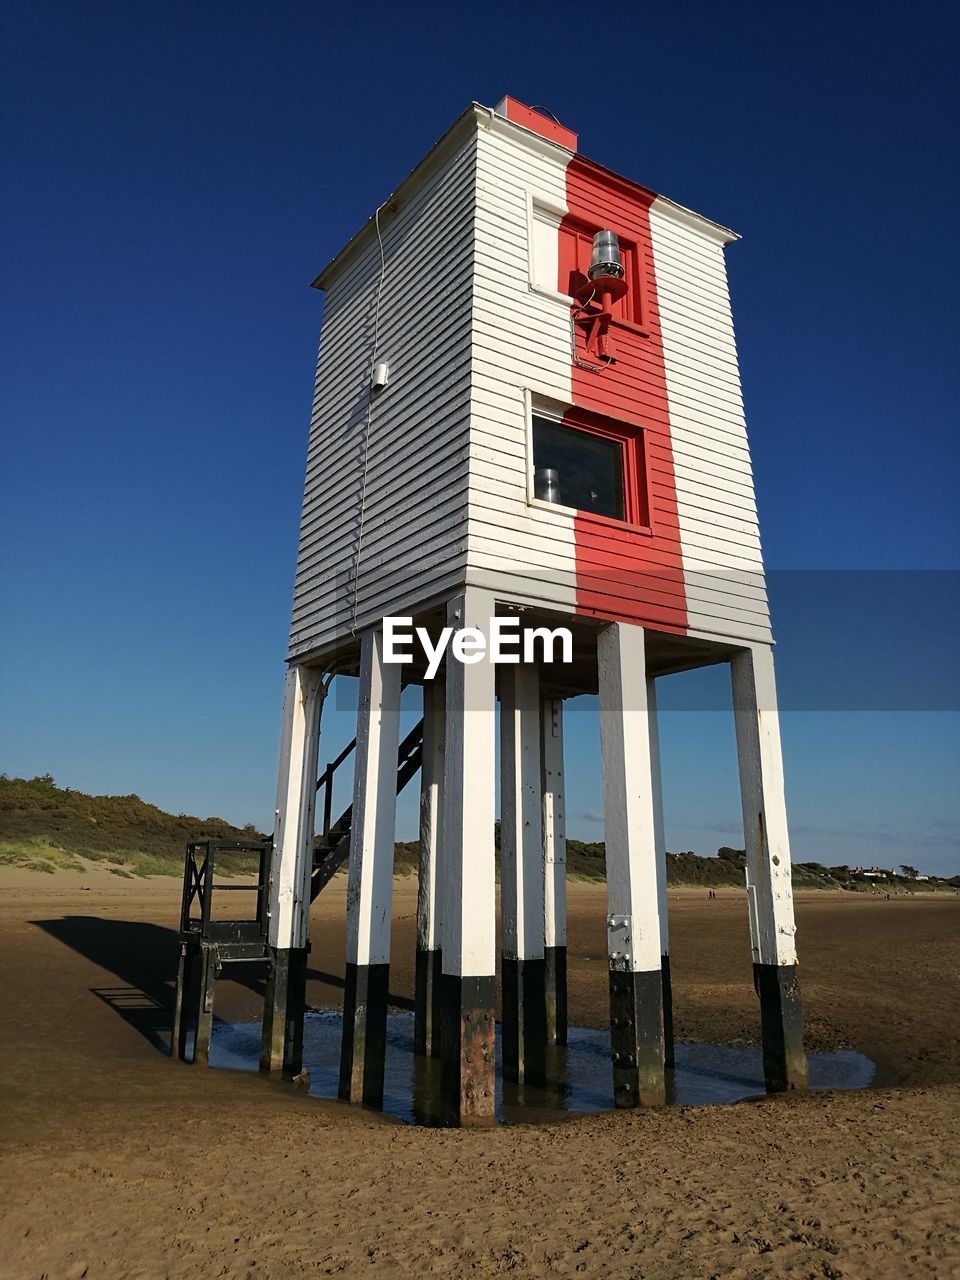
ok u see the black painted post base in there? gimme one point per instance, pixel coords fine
(555, 984)
(781, 1022)
(524, 1021)
(636, 1038)
(468, 1050)
(668, 1053)
(209, 966)
(281, 1042)
(426, 1018)
(363, 1048)
(183, 1007)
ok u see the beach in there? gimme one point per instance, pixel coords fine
(120, 1162)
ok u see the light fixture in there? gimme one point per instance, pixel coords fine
(605, 261)
(596, 296)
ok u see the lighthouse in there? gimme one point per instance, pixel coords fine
(527, 408)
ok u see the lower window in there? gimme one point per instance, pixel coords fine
(595, 468)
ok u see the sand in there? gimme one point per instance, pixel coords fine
(118, 1162)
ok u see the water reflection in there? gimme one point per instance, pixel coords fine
(580, 1075)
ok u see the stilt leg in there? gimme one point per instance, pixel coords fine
(208, 983)
(633, 929)
(770, 891)
(426, 1032)
(181, 1009)
(274, 1013)
(467, 1049)
(281, 1047)
(554, 872)
(522, 878)
(281, 1044)
(370, 884)
(364, 1046)
(660, 842)
(468, 1027)
(426, 1026)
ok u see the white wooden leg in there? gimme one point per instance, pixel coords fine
(524, 1020)
(291, 868)
(633, 928)
(660, 842)
(770, 890)
(370, 882)
(468, 1024)
(554, 870)
(427, 997)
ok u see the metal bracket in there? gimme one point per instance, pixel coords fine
(620, 943)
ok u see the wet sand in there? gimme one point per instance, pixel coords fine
(117, 1162)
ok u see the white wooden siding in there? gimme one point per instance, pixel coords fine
(719, 535)
(415, 508)
(472, 327)
(521, 344)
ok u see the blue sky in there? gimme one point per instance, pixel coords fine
(175, 176)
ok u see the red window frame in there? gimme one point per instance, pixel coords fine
(637, 497)
(575, 250)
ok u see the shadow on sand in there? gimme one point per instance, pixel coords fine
(143, 959)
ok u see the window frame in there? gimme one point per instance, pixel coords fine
(550, 214)
(634, 273)
(637, 494)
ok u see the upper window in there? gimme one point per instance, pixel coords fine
(545, 237)
(596, 466)
(575, 248)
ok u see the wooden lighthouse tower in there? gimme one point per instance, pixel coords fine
(527, 405)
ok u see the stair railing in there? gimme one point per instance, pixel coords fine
(326, 781)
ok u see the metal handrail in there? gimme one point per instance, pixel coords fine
(405, 753)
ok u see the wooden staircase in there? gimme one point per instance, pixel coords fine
(332, 845)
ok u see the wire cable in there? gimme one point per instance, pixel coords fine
(367, 423)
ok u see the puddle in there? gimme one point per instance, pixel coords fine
(580, 1075)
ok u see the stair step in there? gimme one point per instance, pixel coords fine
(331, 851)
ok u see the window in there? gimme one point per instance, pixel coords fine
(576, 246)
(594, 465)
(545, 237)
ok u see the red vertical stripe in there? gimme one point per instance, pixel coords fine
(623, 573)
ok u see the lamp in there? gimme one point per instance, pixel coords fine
(605, 261)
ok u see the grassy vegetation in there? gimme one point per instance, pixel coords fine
(37, 854)
(44, 827)
(587, 861)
